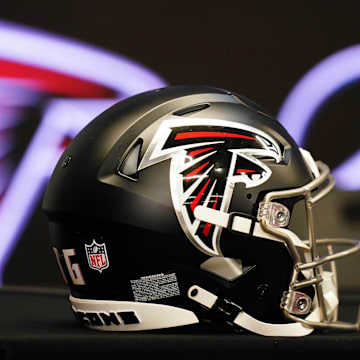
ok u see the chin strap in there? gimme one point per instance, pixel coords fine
(233, 315)
(242, 224)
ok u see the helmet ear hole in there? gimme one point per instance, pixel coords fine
(249, 196)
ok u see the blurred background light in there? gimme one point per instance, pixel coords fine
(316, 87)
(34, 63)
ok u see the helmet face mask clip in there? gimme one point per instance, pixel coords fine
(178, 208)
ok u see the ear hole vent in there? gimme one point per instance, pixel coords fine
(129, 165)
(191, 109)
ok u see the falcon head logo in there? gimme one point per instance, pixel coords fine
(208, 157)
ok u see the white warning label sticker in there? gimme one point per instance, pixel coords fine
(154, 287)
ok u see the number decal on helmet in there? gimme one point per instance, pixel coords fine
(73, 268)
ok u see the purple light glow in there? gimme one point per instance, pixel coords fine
(38, 48)
(16, 93)
(9, 117)
(12, 98)
(344, 173)
(62, 117)
(5, 172)
(6, 144)
(311, 92)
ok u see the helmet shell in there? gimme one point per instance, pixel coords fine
(88, 201)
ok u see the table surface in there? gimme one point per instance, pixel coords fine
(39, 324)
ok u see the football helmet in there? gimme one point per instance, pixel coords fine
(174, 206)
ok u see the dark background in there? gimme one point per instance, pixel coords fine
(259, 49)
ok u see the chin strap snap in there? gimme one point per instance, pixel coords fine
(233, 315)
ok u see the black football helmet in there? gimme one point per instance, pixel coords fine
(173, 207)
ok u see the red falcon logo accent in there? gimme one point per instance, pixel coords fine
(207, 158)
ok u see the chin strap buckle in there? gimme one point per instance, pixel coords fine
(222, 309)
(232, 314)
(226, 311)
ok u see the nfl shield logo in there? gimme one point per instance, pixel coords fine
(97, 256)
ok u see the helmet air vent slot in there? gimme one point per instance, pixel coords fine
(191, 109)
(130, 163)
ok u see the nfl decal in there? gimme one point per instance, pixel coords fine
(202, 151)
(97, 256)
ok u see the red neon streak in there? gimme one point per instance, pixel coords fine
(198, 196)
(52, 81)
(239, 171)
(194, 172)
(196, 134)
(207, 226)
(65, 142)
(197, 152)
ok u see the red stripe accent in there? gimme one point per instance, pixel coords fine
(52, 81)
(194, 172)
(196, 134)
(197, 152)
(207, 226)
(239, 171)
(198, 196)
(215, 202)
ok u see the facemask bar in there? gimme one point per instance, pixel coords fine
(311, 194)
